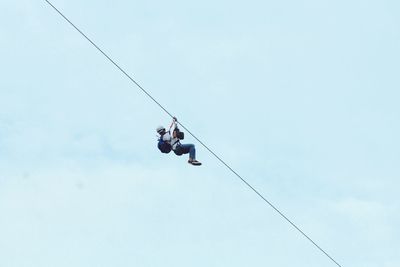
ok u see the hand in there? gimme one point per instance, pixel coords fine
(175, 119)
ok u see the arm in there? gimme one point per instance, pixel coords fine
(174, 125)
(168, 136)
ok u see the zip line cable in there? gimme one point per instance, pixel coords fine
(195, 137)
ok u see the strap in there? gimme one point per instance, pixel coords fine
(176, 142)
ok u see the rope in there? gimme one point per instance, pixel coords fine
(195, 137)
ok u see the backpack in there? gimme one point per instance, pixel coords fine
(164, 146)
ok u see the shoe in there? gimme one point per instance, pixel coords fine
(194, 162)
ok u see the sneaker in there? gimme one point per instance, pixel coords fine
(194, 162)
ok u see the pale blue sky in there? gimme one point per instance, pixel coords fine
(300, 97)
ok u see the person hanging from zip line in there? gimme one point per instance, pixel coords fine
(168, 142)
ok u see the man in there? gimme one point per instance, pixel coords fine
(174, 140)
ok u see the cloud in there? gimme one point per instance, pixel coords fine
(361, 209)
(371, 219)
(46, 213)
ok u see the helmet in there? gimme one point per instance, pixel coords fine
(160, 129)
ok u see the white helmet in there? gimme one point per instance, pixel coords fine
(160, 129)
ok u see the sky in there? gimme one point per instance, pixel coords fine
(301, 98)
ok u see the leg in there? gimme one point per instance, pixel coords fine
(189, 148)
